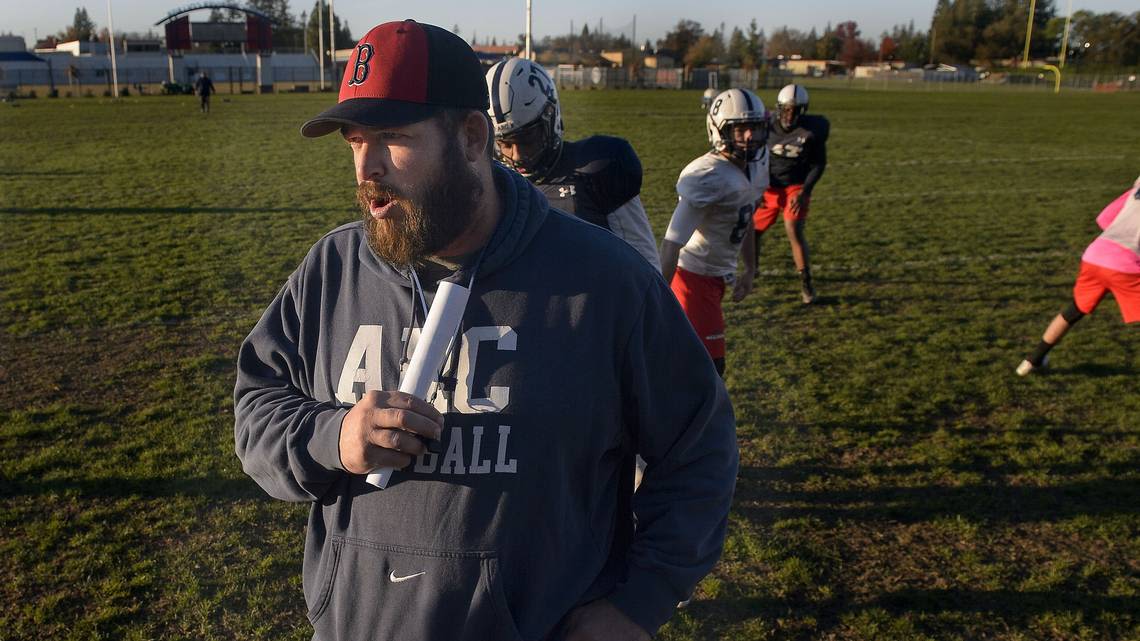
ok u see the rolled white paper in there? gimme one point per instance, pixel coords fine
(438, 331)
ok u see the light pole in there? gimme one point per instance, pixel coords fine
(332, 44)
(111, 38)
(321, 41)
(528, 30)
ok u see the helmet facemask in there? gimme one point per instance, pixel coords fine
(789, 114)
(537, 144)
(744, 152)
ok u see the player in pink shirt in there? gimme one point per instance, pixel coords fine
(1110, 264)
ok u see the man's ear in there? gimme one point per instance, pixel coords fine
(476, 130)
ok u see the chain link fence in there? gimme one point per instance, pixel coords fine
(92, 80)
(961, 81)
(85, 79)
(567, 77)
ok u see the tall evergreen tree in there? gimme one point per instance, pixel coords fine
(811, 42)
(82, 27)
(910, 45)
(739, 54)
(1003, 37)
(757, 42)
(941, 24)
(344, 37)
(684, 35)
(827, 47)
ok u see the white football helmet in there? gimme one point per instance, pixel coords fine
(791, 103)
(707, 99)
(732, 107)
(525, 108)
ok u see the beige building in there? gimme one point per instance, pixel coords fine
(617, 58)
(879, 69)
(506, 51)
(631, 57)
(810, 67)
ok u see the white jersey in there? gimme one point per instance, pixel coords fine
(1124, 230)
(716, 200)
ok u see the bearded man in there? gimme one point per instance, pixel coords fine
(571, 355)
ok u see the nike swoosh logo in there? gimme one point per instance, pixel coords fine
(400, 579)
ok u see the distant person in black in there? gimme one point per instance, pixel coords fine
(203, 86)
(798, 147)
(597, 179)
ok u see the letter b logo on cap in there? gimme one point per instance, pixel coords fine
(360, 67)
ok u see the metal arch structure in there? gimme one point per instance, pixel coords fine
(197, 6)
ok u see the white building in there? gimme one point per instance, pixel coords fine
(81, 66)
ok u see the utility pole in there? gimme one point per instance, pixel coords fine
(332, 43)
(111, 37)
(633, 39)
(528, 51)
(321, 41)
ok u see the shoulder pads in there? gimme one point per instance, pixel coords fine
(818, 125)
(702, 182)
(611, 166)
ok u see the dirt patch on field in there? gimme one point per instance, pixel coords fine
(92, 366)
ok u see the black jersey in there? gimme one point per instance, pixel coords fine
(592, 177)
(204, 86)
(799, 155)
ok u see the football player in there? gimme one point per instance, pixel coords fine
(1111, 263)
(707, 99)
(797, 144)
(716, 195)
(598, 179)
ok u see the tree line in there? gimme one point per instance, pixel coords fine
(689, 43)
(990, 32)
(994, 30)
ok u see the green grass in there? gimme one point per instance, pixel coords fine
(897, 480)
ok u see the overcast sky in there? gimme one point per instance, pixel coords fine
(506, 19)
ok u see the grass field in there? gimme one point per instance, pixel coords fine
(897, 480)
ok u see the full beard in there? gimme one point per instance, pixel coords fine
(427, 220)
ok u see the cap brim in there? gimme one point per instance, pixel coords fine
(367, 112)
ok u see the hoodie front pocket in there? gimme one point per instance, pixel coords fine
(376, 591)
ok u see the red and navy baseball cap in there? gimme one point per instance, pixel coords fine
(402, 73)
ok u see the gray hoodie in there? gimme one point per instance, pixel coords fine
(575, 355)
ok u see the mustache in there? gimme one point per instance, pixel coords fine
(369, 190)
